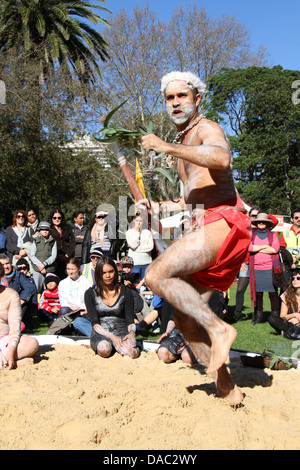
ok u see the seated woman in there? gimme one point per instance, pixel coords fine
(110, 309)
(72, 289)
(15, 349)
(173, 346)
(290, 308)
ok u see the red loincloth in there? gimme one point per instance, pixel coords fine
(234, 249)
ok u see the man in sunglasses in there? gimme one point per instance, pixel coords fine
(290, 238)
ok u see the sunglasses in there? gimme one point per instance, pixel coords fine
(296, 218)
(56, 218)
(20, 216)
(100, 216)
(295, 277)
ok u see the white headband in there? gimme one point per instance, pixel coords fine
(188, 77)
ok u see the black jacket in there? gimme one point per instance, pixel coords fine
(12, 241)
(65, 243)
(87, 242)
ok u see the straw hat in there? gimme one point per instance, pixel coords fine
(263, 218)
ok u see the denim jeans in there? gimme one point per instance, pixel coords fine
(83, 325)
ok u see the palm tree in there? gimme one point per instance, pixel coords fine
(49, 36)
(49, 32)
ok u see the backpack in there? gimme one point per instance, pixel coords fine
(63, 324)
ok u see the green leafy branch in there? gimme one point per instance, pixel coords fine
(125, 137)
(131, 139)
(274, 358)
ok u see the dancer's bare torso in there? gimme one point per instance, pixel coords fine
(206, 185)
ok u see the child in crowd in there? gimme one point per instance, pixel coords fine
(49, 302)
(72, 289)
(43, 255)
(128, 278)
(22, 265)
(88, 269)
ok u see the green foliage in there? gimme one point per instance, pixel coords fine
(275, 358)
(41, 45)
(130, 139)
(26, 24)
(257, 102)
(124, 137)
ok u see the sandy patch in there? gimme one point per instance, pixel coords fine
(72, 399)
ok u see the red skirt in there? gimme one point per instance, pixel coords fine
(234, 249)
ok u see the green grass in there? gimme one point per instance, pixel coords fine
(250, 337)
(258, 337)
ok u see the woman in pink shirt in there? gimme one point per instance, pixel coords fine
(263, 246)
(15, 349)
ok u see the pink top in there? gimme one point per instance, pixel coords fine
(263, 261)
(10, 315)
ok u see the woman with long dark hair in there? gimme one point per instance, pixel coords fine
(17, 235)
(290, 309)
(110, 308)
(63, 234)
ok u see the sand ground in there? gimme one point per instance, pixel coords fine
(71, 399)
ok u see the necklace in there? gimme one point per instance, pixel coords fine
(110, 294)
(170, 158)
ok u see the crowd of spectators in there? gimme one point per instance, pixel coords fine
(53, 265)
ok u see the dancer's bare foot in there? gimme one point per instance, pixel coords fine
(226, 388)
(221, 343)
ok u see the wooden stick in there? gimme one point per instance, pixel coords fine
(154, 224)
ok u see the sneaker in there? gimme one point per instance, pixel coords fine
(155, 327)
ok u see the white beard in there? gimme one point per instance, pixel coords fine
(187, 113)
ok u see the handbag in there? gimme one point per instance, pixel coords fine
(277, 274)
(63, 323)
(278, 279)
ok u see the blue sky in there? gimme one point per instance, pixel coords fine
(272, 23)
